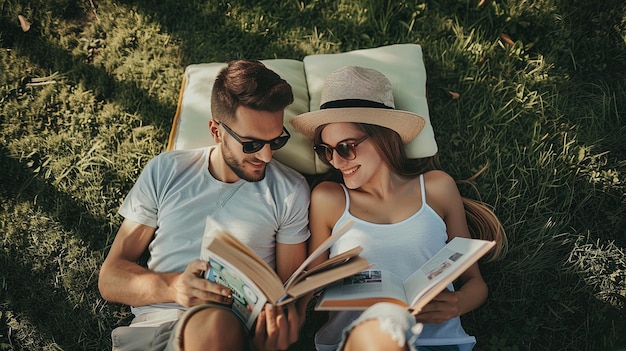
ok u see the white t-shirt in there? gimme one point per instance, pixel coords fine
(176, 192)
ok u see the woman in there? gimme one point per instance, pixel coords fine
(404, 211)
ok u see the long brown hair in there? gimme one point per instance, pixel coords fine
(481, 220)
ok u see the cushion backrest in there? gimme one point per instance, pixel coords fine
(401, 63)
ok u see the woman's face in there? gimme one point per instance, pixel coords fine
(366, 162)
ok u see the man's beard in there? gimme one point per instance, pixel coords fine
(237, 168)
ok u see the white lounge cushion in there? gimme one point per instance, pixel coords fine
(402, 63)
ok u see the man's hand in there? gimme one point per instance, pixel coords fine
(278, 327)
(440, 309)
(192, 289)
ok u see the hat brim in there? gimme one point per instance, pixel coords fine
(407, 124)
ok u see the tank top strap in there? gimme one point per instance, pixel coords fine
(423, 189)
(345, 191)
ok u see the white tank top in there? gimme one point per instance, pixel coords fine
(401, 248)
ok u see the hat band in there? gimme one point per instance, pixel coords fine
(353, 103)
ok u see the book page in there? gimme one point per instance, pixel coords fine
(323, 247)
(362, 290)
(443, 268)
(331, 263)
(219, 242)
(212, 229)
(324, 277)
(248, 299)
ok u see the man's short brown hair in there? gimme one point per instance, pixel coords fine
(250, 84)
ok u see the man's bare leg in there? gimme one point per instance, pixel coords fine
(214, 329)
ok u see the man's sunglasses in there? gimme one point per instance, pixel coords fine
(254, 145)
(345, 149)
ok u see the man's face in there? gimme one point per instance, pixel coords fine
(250, 125)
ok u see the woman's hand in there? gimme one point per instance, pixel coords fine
(440, 309)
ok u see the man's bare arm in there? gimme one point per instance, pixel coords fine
(123, 280)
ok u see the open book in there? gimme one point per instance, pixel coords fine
(253, 282)
(366, 288)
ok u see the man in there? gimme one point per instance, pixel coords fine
(264, 204)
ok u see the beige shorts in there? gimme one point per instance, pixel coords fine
(142, 334)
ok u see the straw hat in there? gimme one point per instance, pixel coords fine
(361, 95)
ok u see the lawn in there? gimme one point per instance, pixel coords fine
(536, 89)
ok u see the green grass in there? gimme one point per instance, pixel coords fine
(88, 94)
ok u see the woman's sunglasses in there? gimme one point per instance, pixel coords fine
(254, 145)
(345, 149)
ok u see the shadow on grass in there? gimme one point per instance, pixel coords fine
(36, 310)
(207, 32)
(213, 33)
(52, 58)
(19, 184)
(551, 309)
(44, 288)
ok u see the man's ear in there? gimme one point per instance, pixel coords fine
(214, 130)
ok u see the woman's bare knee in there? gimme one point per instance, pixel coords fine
(370, 336)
